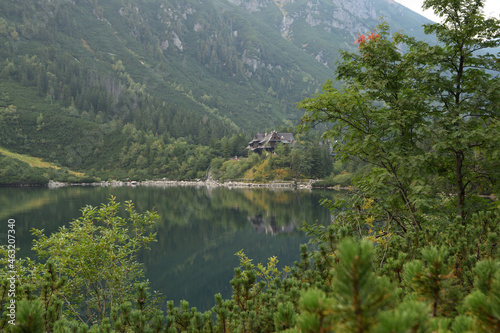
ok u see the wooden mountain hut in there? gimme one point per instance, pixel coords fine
(266, 141)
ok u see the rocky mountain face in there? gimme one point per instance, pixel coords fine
(321, 28)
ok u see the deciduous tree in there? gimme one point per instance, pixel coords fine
(97, 254)
(427, 118)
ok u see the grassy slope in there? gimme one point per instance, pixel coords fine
(61, 138)
(35, 162)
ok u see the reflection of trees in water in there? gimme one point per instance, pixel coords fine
(268, 225)
(199, 230)
(183, 207)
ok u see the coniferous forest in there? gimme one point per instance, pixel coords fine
(414, 249)
(139, 90)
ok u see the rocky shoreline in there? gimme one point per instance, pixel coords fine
(209, 183)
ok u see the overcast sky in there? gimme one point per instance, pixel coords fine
(491, 8)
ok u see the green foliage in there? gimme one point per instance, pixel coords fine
(433, 281)
(409, 316)
(87, 69)
(422, 118)
(386, 114)
(98, 255)
(483, 303)
(29, 317)
(316, 312)
(16, 172)
(339, 286)
(115, 60)
(307, 159)
(363, 136)
(356, 297)
(342, 180)
(405, 257)
(359, 294)
(101, 92)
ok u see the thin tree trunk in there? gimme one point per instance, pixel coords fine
(459, 158)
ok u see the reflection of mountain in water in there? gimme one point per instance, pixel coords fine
(198, 233)
(268, 225)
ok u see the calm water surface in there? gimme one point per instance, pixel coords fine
(199, 231)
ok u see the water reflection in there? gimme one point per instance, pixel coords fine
(268, 225)
(199, 231)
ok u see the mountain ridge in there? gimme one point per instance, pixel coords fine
(193, 69)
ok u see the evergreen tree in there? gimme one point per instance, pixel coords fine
(484, 302)
(433, 282)
(356, 298)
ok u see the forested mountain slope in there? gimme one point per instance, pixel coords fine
(73, 73)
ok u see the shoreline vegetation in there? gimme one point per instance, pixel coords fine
(305, 162)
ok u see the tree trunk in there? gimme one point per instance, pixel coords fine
(459, 158)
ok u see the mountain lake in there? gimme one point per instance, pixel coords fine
(199, 231)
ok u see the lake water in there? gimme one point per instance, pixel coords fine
(199, 231)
